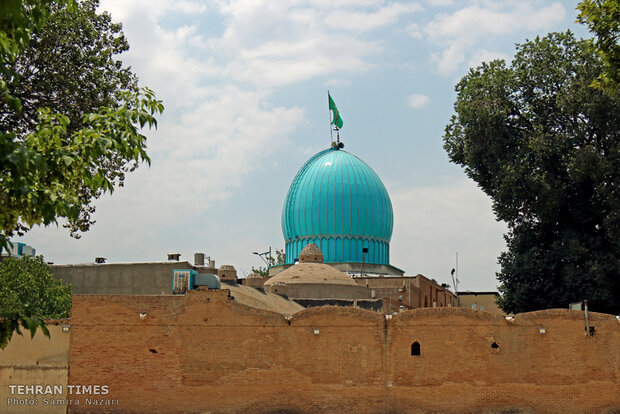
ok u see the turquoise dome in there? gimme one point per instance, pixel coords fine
(339, 203)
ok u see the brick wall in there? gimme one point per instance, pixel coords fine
(205, 353)
(412, 291)
(484, 301)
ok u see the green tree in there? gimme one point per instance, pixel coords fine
(18, 18)
(29, 291)
(54, 163)
(545, 146)
(69, 66)
(603, 19)
(17, 21)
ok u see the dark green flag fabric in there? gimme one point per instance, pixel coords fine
(332, 107)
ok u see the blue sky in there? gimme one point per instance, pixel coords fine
(245, 82)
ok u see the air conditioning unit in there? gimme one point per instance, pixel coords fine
(183, 280)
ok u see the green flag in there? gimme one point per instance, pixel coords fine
(332, 107)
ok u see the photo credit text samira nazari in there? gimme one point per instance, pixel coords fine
(53, 395)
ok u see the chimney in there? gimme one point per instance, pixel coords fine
(212, 264)
(100, 260)
(174, 256)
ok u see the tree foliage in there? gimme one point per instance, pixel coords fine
(71, 119)
(18, 19)
(27, 286)
(603, 19)
(29, 293)
(77, 129)
(545, 146)
(69, 65)
(45, 174)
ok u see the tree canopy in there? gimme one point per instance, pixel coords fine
(545, 146)
(603, 19)
(75, 131)
(71, 119)
(28, 289)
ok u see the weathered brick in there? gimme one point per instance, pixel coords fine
(243, 359)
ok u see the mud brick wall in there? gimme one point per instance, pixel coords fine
(203, 352)
(35, 360)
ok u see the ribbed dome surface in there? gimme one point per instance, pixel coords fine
(339, 203)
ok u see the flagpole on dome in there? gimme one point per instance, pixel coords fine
(329, 111)
(336, 121)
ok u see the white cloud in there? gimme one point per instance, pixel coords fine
(418, 101)
(209, 150)
(414, 30)
(470, 22)
(440, 2)
(265, 44)
(283, 62)
(338, 82)
(269, 44)
(365, 21)
(121, 9)
(460, 31)
(475, 21)
(198, 162)
(449, 59)
(223, 139)
(219, 130)
(486, 56)
(432, 223)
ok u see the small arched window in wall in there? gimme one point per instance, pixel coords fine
(425, 301)
(415, 349)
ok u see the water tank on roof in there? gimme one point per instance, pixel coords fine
(199, 259)
(207, 279)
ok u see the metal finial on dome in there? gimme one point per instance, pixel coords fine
(311, 254)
